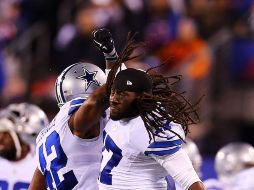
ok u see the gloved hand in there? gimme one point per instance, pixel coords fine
(103, 40)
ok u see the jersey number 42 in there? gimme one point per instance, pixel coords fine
(53, 162)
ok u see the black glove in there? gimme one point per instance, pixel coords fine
(103, 40)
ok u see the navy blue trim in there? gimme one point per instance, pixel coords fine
(163, 152)
(77, 101)
(75, 105)
(165, 144)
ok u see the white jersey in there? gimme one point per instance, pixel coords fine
(240, 181)
(128, 161)
(67, 161)
(17, 175)
(244, 180)
(215, 184)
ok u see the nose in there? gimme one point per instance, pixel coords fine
(114, 98)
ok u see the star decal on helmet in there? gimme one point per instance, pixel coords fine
(89, 78)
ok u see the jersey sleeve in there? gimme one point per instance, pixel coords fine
(37, 156)
(166, 142)
(179, 166)
(74, 105)
(44, 131)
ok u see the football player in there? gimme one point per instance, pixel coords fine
(69, 150)
(234, 164)
(19, 126)
(144, 135)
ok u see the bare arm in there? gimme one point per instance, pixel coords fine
(197, 186)
(38, 181)
(85, 121)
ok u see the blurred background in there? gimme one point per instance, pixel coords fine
(209, 42)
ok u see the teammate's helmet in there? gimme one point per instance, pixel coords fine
(78, 80)
(29, 120)
(193, 152)
(232, 158)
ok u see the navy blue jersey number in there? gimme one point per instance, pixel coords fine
(58, 160)
(17, 186)
(3, 185)
(106, 176)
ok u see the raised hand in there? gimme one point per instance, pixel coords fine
(103, 40)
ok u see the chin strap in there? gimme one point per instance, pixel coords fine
(7, 126)
(16, 143)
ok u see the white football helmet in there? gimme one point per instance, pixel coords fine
(29, 120)
(233, 158)
(193, 152)
(78, 80)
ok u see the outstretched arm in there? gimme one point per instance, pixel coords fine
(38, 181)
(85, 122)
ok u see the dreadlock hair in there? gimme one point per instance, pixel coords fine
(163, 105)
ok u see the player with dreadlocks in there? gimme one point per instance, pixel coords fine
(148, 124)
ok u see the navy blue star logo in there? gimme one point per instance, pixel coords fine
(89, 78)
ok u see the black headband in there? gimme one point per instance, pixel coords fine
(133, 80)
